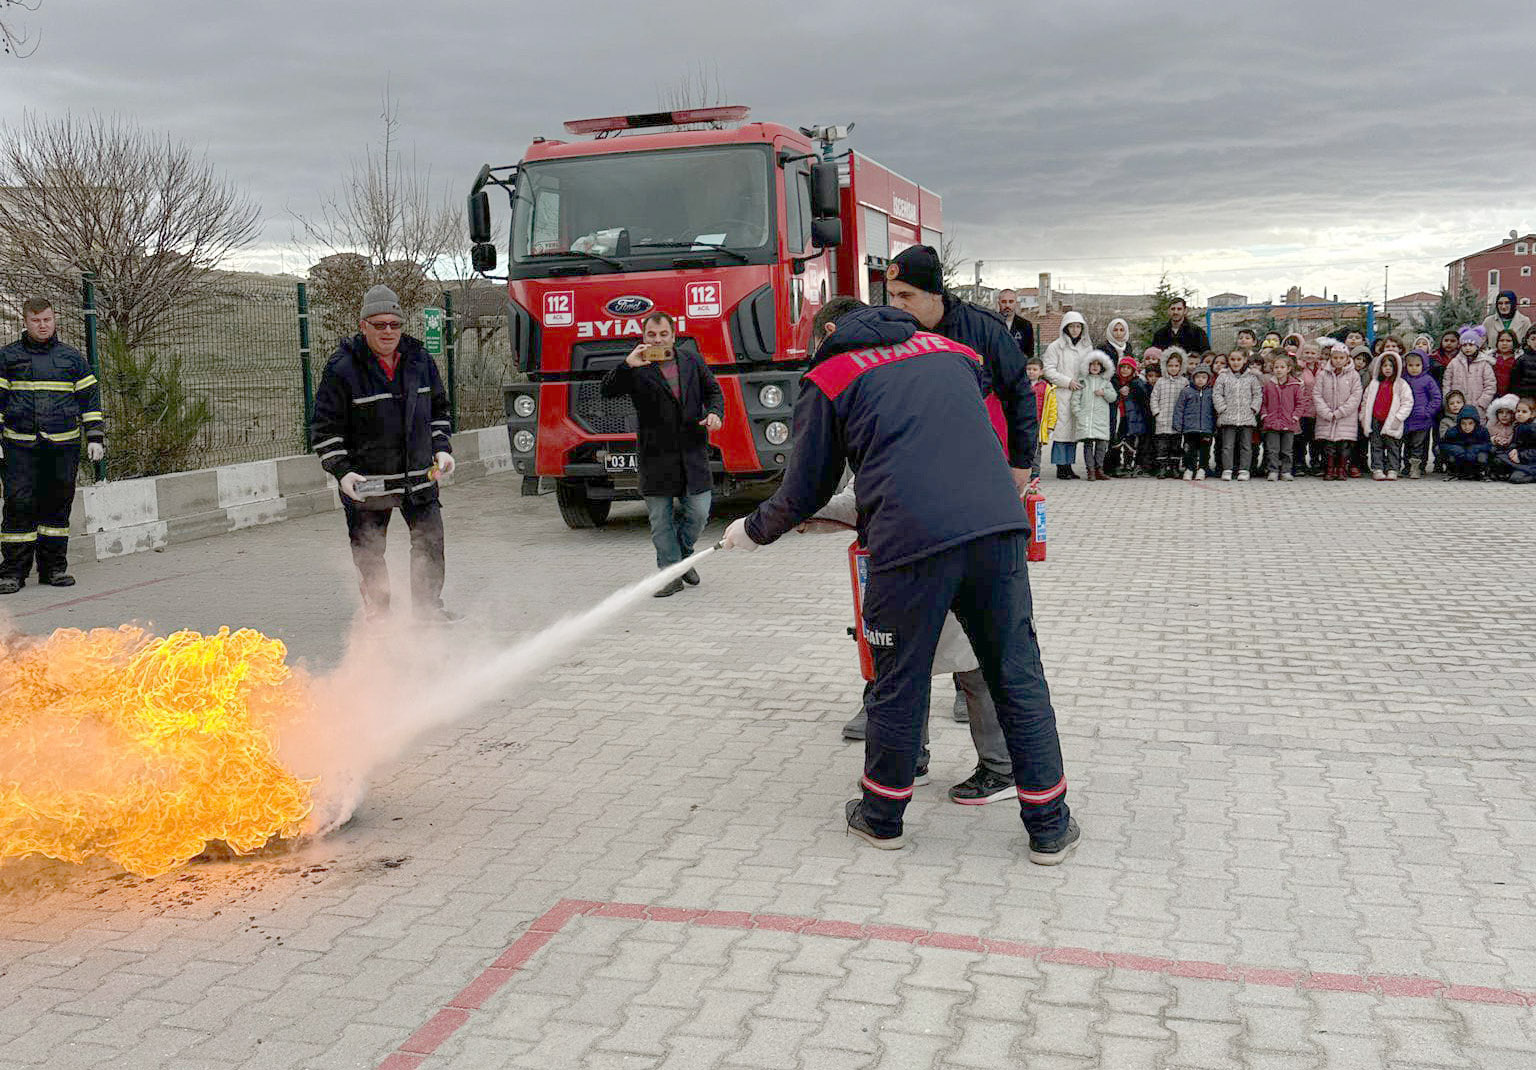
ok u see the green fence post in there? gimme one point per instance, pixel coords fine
(450, 350)
(306, 371)
(92, 354)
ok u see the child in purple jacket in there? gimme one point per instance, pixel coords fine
(1426, 409)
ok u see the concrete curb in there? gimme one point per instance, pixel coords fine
(134, 515)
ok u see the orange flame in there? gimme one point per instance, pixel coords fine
(118, 744)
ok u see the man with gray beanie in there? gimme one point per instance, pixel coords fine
(381, 428)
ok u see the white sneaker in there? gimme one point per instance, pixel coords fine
(1188, 474)
(1273, 477)
(1227, 475)
(1242, 477)
(1200, 474)
(1392, 474)
(1378, 475)
(1289, 477)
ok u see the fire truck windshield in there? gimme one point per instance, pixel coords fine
(643, 207)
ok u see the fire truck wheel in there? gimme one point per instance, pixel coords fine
(576, 509)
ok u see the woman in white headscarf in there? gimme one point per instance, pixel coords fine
(1066, 362)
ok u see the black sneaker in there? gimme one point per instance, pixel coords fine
(854, 812)
(982, 787)
(669, 590)
(10, 584)
(691, 577)
(856, 728)
(1055, 852)
(58, 579)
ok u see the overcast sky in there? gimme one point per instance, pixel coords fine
(1241, 147)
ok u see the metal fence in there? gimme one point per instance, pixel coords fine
(238, 350)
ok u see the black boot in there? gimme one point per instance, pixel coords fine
(1064, 471)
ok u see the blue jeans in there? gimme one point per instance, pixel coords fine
(675, 525)
(986, 582)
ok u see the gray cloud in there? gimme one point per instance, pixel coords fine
(1103, 140)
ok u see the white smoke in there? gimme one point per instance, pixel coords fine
(395, 685)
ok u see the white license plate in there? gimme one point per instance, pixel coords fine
(621, 462)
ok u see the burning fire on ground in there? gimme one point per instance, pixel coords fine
(142, 750)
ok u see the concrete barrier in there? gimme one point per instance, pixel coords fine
(132, 515)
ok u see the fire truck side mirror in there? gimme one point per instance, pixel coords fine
(482, 256)
(479, 217)
(824, 191)
(827, 233)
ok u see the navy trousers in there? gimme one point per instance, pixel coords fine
(986, 583)
(39, 494)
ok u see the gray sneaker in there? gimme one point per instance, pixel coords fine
(855, 729)
(1054, 852)
(854, 812)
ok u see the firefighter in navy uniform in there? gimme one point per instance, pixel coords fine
(381, 412)
(940, 515)
(48, 400)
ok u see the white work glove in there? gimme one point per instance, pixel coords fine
(95, 451)
(444, 464)
(736, 537)
(349, 484)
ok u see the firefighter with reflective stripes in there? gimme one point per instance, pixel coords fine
(381, 428)
(49, 401)
(940, 515)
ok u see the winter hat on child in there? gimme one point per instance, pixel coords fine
(1472, 336)
(1153, 355)
(1200, 369)
(1360, 351)
(1135, 367)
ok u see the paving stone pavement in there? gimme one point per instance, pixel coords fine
(1298, 722)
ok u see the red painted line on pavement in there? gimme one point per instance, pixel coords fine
(104, 594)
(452, 1017)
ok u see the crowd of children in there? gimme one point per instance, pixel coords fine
(1291, 406)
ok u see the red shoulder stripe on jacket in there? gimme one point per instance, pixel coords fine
(836, 374)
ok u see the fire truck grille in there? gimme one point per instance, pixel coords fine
(600, 415)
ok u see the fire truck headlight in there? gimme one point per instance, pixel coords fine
(522, 441)
(523, 406)
(770, 397)
(777, 433)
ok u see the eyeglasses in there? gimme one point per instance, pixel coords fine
(387, 325)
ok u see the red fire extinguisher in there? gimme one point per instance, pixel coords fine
(858, 572)
(1034, 507)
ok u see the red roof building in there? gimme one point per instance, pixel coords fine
(1506, 266)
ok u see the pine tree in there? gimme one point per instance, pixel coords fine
(1451, 312)
(152, 425)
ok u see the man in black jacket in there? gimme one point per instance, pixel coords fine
(48, 399)
(1178, 331)
(381, 427)
(1022, 330)
(678, 403)
(941, 517)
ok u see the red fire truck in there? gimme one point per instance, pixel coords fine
(739, 229)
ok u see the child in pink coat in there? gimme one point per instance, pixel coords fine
(1280, 414)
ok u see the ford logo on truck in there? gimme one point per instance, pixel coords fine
(631, 305)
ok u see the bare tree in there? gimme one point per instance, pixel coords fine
(386, 225)
(142, 212)
(13, 37)
(699, 88)
(950, 261)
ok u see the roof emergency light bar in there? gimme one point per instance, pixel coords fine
(730, 113)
